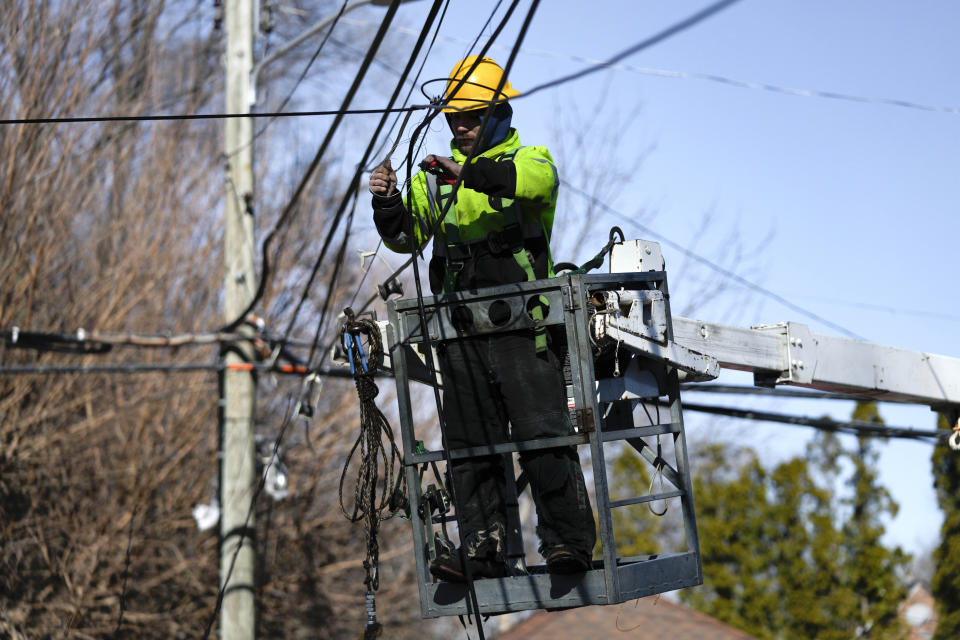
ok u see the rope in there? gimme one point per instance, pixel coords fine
(373, 499)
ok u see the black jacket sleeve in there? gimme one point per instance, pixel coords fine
(491, 177)
(388, 215)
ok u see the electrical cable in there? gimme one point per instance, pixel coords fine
(688, 75)
(665, 34)
(426, 56)
(696, 387)
(306, 69)
(669, 32)
(339, 113)
(93, 341)
(355, 182)
(421, 312)
(241, 531)
(854, 427)
(677, 28)
(126, 574)
(351, 191)
(291, 206)
(713, 265)
(331, 285)
(377, 153)
(42, 369)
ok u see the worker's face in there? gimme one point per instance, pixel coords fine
(465, 126)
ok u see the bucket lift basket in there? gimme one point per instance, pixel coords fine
(601, 405)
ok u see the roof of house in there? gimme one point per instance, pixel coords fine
(919, 613)
(635, 620)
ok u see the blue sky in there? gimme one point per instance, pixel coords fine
(848, 209)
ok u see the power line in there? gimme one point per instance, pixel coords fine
(91, 340)
(209, 116)
(413, 85)
(303, 74)
(354, 186)
(854, 427)
(901, 311)
(308, 382)
(290, 208)
(193, 367)
(763, 86)
(659, 37)
(473, 606)
(655, 39)
(669, 32)
(709, 77)
(778, 392)
(713, 265)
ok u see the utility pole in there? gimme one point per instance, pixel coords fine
(238, 470)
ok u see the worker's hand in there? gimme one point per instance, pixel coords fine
(383, 180)
(446, 164)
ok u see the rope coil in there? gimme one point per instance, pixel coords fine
(374, 497)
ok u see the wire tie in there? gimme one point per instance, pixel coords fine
(14, 335)
(81, 334)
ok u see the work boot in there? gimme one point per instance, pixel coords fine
(484, 552)
(447, 567)
(562, 559)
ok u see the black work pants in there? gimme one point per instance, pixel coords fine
(488, 381)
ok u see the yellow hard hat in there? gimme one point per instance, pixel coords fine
(478, 88)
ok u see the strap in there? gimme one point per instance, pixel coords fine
(539, 331)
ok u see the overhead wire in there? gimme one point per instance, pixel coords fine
(378, 152)
(688, 75)
(210, 116)
(669, 32)
(779, 392)
(188, 367)
(303, 74)
(473, 603)
(354, 183)
(351, 191)
(331, 285)
(288, 211)
(18, 337)
(648, 42)
(854, 427)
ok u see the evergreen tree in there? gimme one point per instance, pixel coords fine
(873, 569)
(946, 557)
(734, 524)
(783, 555)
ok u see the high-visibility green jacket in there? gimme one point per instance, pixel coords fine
(490, 231)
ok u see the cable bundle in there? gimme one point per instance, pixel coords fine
(373, 497)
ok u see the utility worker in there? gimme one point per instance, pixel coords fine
(496, 232)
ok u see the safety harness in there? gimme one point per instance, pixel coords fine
(456, 253)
